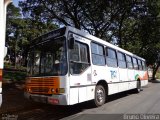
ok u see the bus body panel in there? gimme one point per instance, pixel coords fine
(132, 85)
(144, 78)
(81, 94)
(144, 82)
(90, 92)
(123, 80)
(112, 77)
(78, 85)
(130, 75)
(100, 73)
(131, 78)
(113, 88)
(73, 96)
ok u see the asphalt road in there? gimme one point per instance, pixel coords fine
(127, 105)
(123, 106)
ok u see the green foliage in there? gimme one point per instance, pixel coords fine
(21, 30)
(131, 24)
(14, 75)
(158, 75)
(97, 16)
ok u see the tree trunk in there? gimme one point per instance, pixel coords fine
(155, 68)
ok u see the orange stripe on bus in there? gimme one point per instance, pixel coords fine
(145, 77)
(43, 85)
(0, 74)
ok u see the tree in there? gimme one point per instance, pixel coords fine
(21, 30)
(131, 24)
(95, 17)
(146, 35)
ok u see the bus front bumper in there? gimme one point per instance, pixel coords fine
(54, 99)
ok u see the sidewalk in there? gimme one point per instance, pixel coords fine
(155, 81)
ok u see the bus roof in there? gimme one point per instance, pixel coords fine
(98, 40)
(81, 33)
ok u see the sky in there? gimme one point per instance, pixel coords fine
(15, 2)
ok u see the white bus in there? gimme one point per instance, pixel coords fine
(68, 66)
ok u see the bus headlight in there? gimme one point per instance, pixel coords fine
(52, 90)
(58, 90)
(61, 90)
(28, 89)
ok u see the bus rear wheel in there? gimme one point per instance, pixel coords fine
(100, 96)
(138, 89)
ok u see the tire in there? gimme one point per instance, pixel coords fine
(100, 96)
(138, 89)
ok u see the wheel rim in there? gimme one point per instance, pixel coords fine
(100, 95)
(139, 86)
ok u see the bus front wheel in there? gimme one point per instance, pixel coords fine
(100, 95)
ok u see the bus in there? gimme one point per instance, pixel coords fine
(69, 66)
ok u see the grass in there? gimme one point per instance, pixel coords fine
(20, 68)
(14, 75)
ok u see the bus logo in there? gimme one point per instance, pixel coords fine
(113, 74)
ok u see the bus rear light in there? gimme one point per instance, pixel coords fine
(53, 101)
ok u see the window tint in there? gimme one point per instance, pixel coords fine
(83, 53)
(111, 53)
(129, 62)
(143, 65)
(135, 64)
(139, 64)
(79, 58)
(121, 60)
(111, 57)
(74, 54)
(98, 57)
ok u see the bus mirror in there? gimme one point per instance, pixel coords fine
(71, 43)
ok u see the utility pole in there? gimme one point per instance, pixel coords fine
(3, 49)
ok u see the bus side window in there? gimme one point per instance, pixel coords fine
(79, 58)
(111, 58)
(143, 65)
(140, 64)
(135, 64)
(98, 55)
(74, 53)
(121, 60)
(129, 62)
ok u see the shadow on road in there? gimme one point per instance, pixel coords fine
(14, 103)
(155, 81)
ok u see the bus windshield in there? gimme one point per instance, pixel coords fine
(48, 58)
